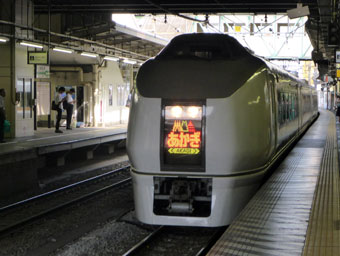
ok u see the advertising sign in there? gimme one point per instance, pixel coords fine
(43, 98)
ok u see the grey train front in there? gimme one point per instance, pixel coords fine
(207, 120)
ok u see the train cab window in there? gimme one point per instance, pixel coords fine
(218, 47)
(201, 52)
(206, 53)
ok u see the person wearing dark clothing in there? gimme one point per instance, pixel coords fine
(338, 108)
(2, 114)
(59, 101)
(69, 108)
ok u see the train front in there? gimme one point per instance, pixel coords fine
(182, 132)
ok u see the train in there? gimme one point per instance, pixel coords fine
(208, 119)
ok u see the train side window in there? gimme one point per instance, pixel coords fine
(281, 108)
(286, 107)
(293, 106)
(290, 107)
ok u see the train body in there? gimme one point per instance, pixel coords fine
(207, 120)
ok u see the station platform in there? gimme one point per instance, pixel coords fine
(20, 158)
(46, 140)
(296, 212)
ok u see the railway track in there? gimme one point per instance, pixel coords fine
(17, 215)
(185, 241)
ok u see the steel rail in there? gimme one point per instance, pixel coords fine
(62, 189)
(141, 244)
(205, 248)
(23, 222)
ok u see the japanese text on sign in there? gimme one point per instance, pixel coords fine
(184, 139)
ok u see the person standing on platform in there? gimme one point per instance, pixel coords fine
(2, 114)
(59, 101)
(69, 109)
(338, 107)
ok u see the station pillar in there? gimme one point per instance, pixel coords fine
(16, 76)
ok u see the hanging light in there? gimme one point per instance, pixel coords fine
(3, 39)
(29, 44)
(127, 61)
(111, 58)
(58, 49)
(91, 55)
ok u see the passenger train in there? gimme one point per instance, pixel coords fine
(207, 120)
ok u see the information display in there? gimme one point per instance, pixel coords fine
(183, 135)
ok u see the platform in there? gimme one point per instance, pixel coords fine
(296, 212)
(46, 140)
(20, 158)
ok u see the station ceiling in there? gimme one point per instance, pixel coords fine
(173, 6)
(322, 12)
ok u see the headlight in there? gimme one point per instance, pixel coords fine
(193, 112)
(183, 112)
(176, 111)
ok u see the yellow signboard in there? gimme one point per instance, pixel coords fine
(237, 28)
(37, 58)
(338, 73)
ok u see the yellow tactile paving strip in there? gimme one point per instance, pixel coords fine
(323, 235)
(300, 198)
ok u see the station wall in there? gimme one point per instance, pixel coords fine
(112, 95)
(19, 89)
(104, 94)
(16, 76)
(6, 82)
(24, 74)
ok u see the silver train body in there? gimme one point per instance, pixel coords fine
(207, 120)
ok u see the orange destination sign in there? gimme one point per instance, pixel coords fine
(183, 138)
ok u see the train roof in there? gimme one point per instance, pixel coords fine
(205, 46)
(277, 70)
(197, 66)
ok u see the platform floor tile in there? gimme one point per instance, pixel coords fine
(296, 212)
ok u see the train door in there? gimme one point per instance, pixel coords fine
(274, 122)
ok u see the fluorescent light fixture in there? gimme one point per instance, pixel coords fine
(127, 61)
(29, 44)
(3, 39)
(111, 58)
(57, 49)
(91, 55)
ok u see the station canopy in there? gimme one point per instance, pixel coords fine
(84, 17)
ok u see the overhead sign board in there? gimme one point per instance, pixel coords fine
(43, 71)
(37, 58)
